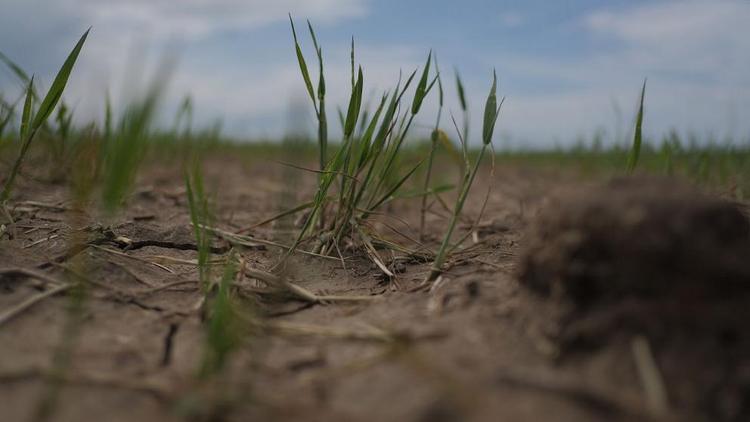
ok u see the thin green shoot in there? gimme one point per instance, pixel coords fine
(461, 92)
(635, 151)
(491, 113)
(223, 334)
(27, 111)
(127, 143)
(317, 98)
(200, 218)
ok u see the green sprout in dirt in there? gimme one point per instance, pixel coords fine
(222, 332)
(222, 335)
(125, 146)
(491, 113)
(635, 151)
(31, 121)
(201, 219)
(364, 166)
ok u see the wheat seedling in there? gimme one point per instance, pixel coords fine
(31, 121)
(491, 113)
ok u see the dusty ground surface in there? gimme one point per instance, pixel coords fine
(489, 342)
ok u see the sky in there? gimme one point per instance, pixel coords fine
(568, 69)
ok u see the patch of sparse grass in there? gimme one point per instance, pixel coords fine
(364, 166)
(125, 147)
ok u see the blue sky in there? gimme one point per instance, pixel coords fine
(568, 68)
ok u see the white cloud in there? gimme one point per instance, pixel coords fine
(693, 35)
(675, 21)
(196, 18)
(694, 53)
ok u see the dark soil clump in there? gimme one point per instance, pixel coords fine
(653, 257)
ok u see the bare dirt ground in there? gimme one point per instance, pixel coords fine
(523, 325)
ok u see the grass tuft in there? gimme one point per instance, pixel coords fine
(364, 168)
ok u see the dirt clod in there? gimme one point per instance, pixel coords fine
(641, 237)
(653, 257)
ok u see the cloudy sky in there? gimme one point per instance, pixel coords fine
(567, 68)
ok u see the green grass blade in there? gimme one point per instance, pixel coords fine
(321, 108)
(26, 113)
(440, 86)
(323, 133)
(199, 217)
(355, 103)
(635, 151)
(388, 119)
(58, 85)
(421, 90)
(222, 334)
(461, 91)
(341, 117)
(490, 112)
(465, 187)
(367, 136)
(352, 62)
(431, 85)
(312, 35)
(303, 65)
(193, 208)
(395, 187)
